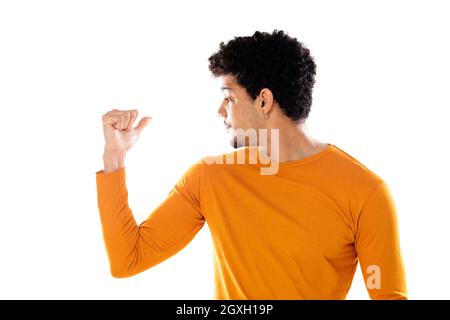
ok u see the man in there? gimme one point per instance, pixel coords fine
(296, 233)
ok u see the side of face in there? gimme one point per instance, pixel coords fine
(238, 110)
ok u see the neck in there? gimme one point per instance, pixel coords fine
(294, 143)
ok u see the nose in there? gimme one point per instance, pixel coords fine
(222, 111)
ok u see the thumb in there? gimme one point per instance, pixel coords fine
(143, 123)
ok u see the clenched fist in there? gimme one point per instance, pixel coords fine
(118, 131)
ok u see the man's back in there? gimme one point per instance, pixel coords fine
(296, 234)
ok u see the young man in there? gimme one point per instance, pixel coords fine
(295, 233)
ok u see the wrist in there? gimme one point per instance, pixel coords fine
(113, 159)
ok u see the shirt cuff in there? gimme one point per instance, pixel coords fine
(112, 182)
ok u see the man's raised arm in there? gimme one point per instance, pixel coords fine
(133, 248)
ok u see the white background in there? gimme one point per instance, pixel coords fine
(381, 95)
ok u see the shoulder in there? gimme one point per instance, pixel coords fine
(352, 181)
(345, 164)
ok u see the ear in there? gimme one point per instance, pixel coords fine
(265, 102)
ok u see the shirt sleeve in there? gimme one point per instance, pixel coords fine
(378, 247)
(133, 248)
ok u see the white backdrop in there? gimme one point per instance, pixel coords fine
(381, 95)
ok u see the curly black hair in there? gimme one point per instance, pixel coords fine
(275, 61)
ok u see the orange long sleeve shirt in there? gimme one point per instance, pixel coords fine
(296, 234)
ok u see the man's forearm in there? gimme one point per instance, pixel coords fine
(113, 159)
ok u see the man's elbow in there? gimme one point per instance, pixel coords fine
(126, 269)
(120, 273)
(125, 272)
(116, 274)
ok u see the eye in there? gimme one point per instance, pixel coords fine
(228, 99)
